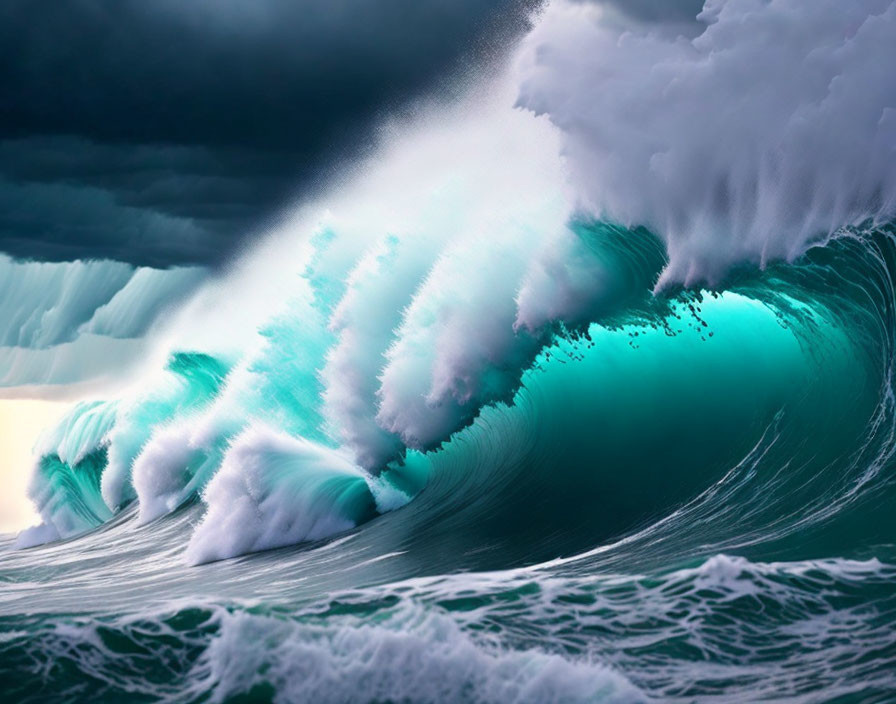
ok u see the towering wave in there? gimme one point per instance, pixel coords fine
(515, 329)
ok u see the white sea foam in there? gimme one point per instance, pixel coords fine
(769, 130)
(273, 490)
(417, 655)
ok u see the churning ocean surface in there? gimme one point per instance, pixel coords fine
(455, 434)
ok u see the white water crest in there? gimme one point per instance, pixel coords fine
(765, 133)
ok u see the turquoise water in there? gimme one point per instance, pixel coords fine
(685, 495)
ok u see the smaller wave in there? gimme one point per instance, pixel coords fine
(84, 468)
(273, 490)
(68, 496)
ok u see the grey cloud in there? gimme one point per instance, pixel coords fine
(166, 132)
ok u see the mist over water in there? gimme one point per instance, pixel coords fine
(579, 389)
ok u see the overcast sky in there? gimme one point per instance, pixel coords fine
(162, 132)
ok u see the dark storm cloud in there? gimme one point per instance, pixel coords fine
(161, 132)
(66, 198)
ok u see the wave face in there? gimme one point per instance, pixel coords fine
(530, 428)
